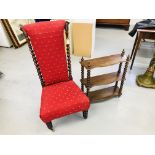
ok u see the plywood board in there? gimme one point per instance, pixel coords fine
(82, 37)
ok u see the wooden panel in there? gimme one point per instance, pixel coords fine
(103, 79)
(117, 22)
(103, 61)
(82, 39)
(114, 21)
(148, 35)
(103, 94)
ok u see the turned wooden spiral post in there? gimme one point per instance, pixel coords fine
(88, 80)
(34, 58)
(119, 69)
(82, 75)
(124, 74)
(68, 50)
(120, 65)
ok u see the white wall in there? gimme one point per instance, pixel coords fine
(134, 21)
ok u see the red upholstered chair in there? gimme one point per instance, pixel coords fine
(60, 95)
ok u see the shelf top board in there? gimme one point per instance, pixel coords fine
(103, 61)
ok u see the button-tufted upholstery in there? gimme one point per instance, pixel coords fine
(60, 96)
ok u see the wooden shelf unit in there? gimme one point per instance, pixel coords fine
(104, 79)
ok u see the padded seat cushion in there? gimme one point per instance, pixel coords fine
(62, 99)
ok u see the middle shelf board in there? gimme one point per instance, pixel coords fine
(103, 79)
(103, 61)
(103, 94)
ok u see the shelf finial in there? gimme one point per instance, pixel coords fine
(123, 52)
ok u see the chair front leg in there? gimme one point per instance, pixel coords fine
(50, 126)
(85, 114)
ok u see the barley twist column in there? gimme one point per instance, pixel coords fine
(124, 74)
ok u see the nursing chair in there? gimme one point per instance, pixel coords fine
(60, 95)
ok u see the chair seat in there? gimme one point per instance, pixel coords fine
(62, 99)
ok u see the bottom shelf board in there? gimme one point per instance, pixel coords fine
(103, 94)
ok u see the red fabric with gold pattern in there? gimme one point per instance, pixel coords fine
(47, 39)
(62, 99)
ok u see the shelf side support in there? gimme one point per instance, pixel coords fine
(124, 74)
(119, 69)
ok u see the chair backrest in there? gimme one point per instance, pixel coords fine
(47, 43)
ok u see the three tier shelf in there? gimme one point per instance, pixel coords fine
(104, 79)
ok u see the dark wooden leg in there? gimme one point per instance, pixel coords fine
(50, 126)
(85, 114)
(136, 49)
(133, 49)
(127, 27)
(123, 76)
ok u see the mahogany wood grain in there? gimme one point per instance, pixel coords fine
(103, 61)
(102, 79)
(114, 21)
(103, 94)
(118, 22)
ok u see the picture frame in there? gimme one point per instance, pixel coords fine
(12, 27)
